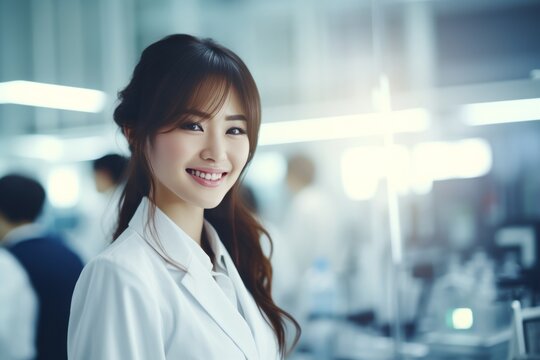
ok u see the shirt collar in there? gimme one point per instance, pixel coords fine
(23, 232)
(216, 245)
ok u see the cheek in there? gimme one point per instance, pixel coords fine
(241, 153)
(170, 150)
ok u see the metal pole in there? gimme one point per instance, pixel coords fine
(382, 102)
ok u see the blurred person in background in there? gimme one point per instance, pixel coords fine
(100, 214)
(18, 310)
(312, 232)
(283, 275)
(312, 226)
(51, 266)
(186, 277)
(109, 174)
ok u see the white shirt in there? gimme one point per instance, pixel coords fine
(18, 310)
(131, 302)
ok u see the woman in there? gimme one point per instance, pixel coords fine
(185, 277)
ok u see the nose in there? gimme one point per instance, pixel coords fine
(214, 148)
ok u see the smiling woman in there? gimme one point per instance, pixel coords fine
(186, 276)
(200, 155)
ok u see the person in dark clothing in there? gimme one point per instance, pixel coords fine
(52, 267)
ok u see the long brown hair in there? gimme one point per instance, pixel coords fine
(178, 73)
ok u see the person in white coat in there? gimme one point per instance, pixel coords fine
(18, 310)
(186, 277)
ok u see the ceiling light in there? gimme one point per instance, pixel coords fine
(499, 112)
(52, 96)
(341, 127)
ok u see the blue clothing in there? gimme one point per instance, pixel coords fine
(53, 270)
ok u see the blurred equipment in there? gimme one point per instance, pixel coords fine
(517, 247)
(525, 342)
(464, 317)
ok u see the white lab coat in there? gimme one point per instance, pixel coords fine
(18, 310)
(130, 303)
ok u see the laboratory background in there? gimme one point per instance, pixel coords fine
(398, 168)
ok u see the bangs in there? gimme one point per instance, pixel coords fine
(209, 96)
(207, 99)
(213, 76)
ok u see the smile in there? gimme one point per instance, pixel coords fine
(210, 179)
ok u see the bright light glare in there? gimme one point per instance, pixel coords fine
(467, 158)
(361, 170)
(363, 167)
(462, 318)
(53, 148)
(341, 127)
(501, 112)
(63, 187)
(41, 147)
(51, 96)
(267, 169)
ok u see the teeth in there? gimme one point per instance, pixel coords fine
(206, 176)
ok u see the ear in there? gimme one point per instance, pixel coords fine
(127, 133)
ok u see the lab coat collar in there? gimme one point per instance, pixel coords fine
(198, 279)
(23, 232)
(165, 238)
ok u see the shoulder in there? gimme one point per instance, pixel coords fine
(129, 254)
(6, 260)
(121, 274)
(10, 268)
(117, 293)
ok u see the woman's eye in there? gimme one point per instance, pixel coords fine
(236, 131)
(192, 127)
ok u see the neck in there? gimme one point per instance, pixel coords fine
(188, 217)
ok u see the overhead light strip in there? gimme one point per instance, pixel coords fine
(342, 127)
(500, 112)
(52, 96)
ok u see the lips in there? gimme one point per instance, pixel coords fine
(208, 178)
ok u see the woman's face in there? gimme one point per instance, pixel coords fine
(198, 162)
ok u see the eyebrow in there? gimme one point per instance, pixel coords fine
(207, 116)
(236, 117)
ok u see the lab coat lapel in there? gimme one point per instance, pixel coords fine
(263, 334)
(205, 290)
(197, 279)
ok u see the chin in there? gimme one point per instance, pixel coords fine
(211, 204)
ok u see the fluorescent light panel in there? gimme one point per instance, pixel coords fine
(52, 96)
(500, 112)
(54, 148)
(341, 127)
(362, 168)
(63, 187)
